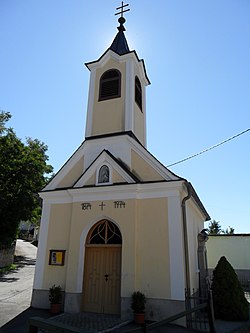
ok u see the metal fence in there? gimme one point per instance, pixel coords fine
(201, 319)
(245, 283)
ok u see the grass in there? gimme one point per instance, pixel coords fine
(8, 268)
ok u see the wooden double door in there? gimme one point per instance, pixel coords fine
(102, 279)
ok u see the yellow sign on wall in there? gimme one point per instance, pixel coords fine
(56, 257)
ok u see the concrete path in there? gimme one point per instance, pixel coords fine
(16, 286)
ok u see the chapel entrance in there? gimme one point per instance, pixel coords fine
(102, 269)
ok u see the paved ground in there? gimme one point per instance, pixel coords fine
(15, 310)
(16, 287)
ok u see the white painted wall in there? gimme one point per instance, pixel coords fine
(236, 248)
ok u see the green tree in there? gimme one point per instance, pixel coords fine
(228, 296)
(228, 231)
(23, 170)
(214, 227)
(4, 117)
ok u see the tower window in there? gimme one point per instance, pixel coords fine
(138, 93)
(110, 85)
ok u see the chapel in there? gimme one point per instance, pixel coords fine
(114, 219)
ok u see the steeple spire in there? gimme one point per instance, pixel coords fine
(117, 95)
(120, 45)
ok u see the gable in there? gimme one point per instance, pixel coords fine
(117, 173)
(72, 174)
(147, 168)
(130, 162)
(69, 172)
(142, 169)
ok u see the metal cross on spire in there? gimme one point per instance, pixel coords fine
(122, 9)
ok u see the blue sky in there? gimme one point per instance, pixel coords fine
(197, 56)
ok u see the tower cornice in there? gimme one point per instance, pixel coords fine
(119, 58)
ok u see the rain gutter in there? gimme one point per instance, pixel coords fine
(185, 238)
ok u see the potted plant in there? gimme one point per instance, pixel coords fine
(138, 306)
(55, 298)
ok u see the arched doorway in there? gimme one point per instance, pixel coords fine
(102, 269)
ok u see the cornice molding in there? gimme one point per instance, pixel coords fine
(115, 192)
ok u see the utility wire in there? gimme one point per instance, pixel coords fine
(210, 148)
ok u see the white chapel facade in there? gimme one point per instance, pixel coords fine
(115, 220)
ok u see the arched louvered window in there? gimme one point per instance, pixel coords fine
(104, 232)
(138, 93)
(103, 175)
(110, 85)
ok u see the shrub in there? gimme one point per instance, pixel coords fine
(55, 294)
(138, 302)
(228, 296)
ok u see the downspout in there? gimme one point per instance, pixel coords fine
(185, 238)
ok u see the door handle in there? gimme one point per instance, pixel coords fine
(106, 277)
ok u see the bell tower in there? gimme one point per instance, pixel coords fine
(117, 101)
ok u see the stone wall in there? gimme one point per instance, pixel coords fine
(7, 255)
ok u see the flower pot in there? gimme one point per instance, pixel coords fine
(139, 318)
(55, 308)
